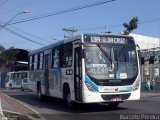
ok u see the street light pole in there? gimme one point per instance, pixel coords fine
(24, 12)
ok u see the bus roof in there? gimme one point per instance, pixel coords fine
(72, 39)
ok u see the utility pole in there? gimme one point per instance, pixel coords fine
(159, 35)
(70, 31)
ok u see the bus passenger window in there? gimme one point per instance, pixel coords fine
(30, 62)
(67, 55)
(41, 61)
(56, 58)
(38, 62)
(35, 62)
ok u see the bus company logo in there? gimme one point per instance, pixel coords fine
(116, 89)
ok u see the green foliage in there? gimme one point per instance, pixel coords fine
(7, 57)
(133, 24)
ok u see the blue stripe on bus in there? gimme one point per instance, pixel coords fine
(88, 80)
(125, 90)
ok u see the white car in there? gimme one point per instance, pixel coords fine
(25, 84)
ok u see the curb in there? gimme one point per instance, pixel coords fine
(16, 114)
(1, 112)
(40, 117)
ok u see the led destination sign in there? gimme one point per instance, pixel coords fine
(109, 39)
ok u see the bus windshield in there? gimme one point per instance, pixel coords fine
(111, 62)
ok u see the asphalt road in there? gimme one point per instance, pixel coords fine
(55, 109)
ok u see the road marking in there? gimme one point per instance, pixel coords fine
(24, 105)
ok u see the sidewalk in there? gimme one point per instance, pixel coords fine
(149, 94)
(2, 117)
(13, 107)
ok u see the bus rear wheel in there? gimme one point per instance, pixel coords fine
(39, 93)
(22, 88)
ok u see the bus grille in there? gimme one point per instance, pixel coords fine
(122, 96)
(115, 83)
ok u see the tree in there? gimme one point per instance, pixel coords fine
(133, 24)
(2, 49)
(7, 57)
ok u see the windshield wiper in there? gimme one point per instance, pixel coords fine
(105, 53)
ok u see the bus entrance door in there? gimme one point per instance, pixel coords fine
(46, 74)
(78, 74)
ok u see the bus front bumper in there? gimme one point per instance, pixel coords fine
(96, 97)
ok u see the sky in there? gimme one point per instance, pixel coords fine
(37, 33)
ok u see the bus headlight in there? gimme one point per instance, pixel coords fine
(136, 85)
(90, 88)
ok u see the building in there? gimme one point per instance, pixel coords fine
(19, 60)
(150, 61)
(146, 42)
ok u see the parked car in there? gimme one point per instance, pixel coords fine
(25, 84)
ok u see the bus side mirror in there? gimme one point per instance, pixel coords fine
(138, 46)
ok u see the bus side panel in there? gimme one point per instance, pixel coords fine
(55, 82)
(34, 77)
(67, 77)
(58, 77)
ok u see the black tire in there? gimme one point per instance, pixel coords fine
(22, 88)
(113, 105)
(39, 93)
(10, 86)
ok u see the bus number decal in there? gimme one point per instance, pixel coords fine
(69, 72)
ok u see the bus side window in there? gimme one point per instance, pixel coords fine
(41, 61)
(55, 58)
(38, 62)
(62, 56)
(35, 61)
(53, 54)
(67, 55)
(30, 62)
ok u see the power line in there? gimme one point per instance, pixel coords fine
(63, 11)
(31, 35)
(23, 37)
(119, 25)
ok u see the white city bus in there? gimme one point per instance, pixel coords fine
(87, 68)
(14, 79)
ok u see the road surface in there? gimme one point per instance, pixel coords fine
(146, 108)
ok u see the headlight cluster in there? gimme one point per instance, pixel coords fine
(90, 88)
(136, 85)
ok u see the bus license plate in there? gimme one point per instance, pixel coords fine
(116, 99)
